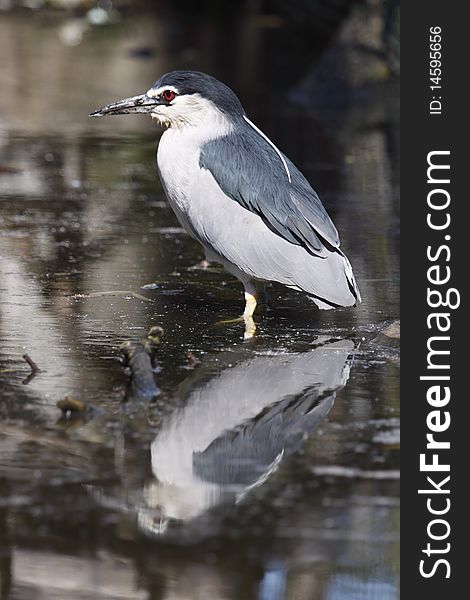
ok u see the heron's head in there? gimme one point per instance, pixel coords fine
(180, 98)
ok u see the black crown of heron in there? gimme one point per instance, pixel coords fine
(238, 195)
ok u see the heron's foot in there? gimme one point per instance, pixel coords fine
(230, 321)
(250, 328)
(247, 316)
(250, 307)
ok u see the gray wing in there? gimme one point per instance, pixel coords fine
(245, 454)
(250, 170)
(297, 391)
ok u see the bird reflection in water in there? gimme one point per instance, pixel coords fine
(241, 417)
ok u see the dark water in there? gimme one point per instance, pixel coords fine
(267, 470)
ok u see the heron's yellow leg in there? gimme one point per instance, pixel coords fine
(250, 305)
(255, 297)
(247, 316)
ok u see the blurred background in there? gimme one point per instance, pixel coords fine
(91, 256)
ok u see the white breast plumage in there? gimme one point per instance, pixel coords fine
(178, 165)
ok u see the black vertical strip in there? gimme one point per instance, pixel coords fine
(423, 133)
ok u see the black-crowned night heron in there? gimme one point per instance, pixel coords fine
(238, 195)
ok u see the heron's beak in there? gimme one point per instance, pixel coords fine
(136, 104)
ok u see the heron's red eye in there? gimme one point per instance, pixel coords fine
(169, 95)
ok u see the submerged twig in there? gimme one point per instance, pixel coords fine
(140, 358)
(34, 369)
(31, 363)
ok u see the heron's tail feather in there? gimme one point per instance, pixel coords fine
(329, 281)
(351, 279)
